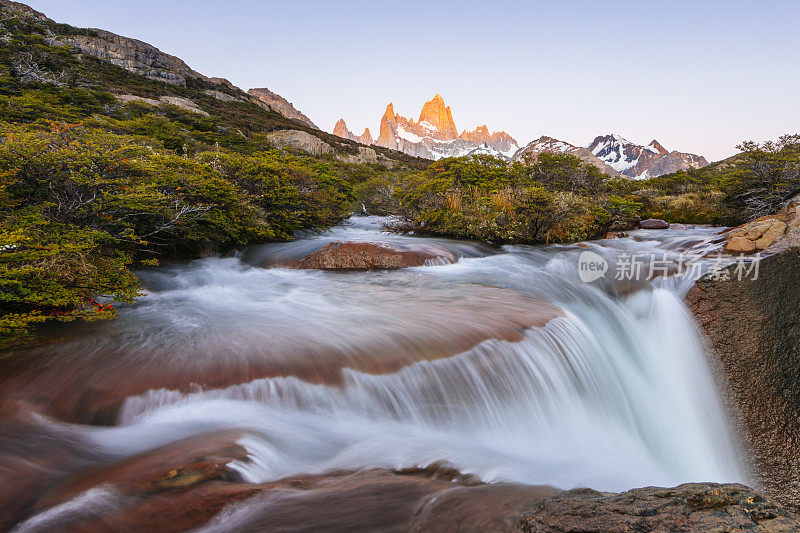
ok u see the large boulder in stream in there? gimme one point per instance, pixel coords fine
(373, 255)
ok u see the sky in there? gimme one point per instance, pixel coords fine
(699, 76)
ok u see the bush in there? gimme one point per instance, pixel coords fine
(555, 198)
(81, 207)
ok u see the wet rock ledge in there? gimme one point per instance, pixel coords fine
(752, 324)
(753, 327)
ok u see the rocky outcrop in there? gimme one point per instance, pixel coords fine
(146, 60)
(280, 105)
(183, 103)
(22, 10)
(340, 130)
(689, 507)
(637, 161)
(300, 140)
(367, 156)
(372, 255)
(753, 327)
(770, 233)
(545, 144)
(133, 55)
(222, 97)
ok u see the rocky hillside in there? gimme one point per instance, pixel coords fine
(639, 162)
(434, 135)
(134, 71)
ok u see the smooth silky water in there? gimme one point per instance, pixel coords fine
(327, 371)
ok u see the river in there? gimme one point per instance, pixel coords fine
(504, 365)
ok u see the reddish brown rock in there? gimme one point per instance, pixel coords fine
(176, 466)
(775, 232)
(85, 386)
(369, 256)
(485, 508)
(653, 223)
(758, 234)
(33, 456)
(740, 245)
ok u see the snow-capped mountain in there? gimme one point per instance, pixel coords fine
(637, 161)
(434, 135)
(545, 144)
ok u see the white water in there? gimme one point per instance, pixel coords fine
(615, 394)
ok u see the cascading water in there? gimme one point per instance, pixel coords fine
(326, 371)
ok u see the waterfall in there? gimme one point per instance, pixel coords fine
(620, 398)
(504, 365)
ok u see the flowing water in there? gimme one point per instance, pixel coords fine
(504, 365)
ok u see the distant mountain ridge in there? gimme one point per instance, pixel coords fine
(434, 135)
(637, 161)
(616, 156)
(545, 144)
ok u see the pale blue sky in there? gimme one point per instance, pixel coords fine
(699, 76)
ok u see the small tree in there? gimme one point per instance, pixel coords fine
(765, 176)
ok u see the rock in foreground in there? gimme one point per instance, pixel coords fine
(689, 507)
(372, 255)
(753, 326)
(764, 232)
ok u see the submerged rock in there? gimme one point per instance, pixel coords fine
(372, 255)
